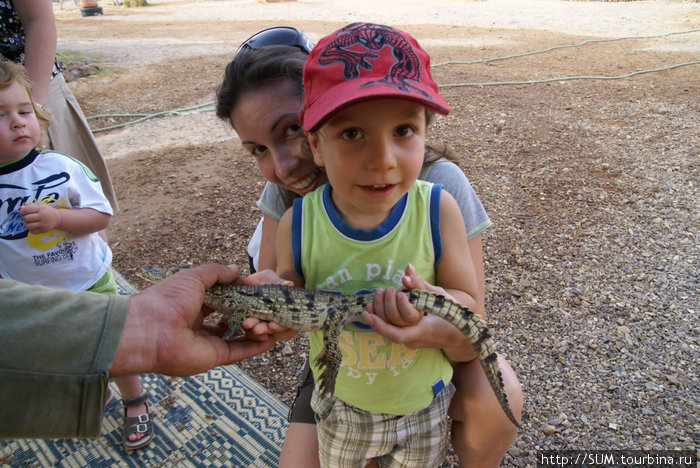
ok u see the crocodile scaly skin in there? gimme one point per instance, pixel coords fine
(306, 310)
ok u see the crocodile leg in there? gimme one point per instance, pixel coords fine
(330, 357)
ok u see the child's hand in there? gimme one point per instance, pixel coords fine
(428, 331)
(264, 277)
(393, 306)
(260, 330)
(413, 280)
(39, 217)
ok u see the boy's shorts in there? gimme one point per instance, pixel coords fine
(350, 437)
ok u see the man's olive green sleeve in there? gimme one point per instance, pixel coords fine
(56, 350)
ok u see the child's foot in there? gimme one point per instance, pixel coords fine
(135, 412)
(138, 423)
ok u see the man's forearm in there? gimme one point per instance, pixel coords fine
(58, 346)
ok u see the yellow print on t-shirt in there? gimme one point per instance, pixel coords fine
(46, 240)
(366, 351)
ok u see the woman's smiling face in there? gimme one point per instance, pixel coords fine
(267, 122)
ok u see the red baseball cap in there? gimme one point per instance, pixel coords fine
(366, 62)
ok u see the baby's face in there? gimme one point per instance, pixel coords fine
(19, 127)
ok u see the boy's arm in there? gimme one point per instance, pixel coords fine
(456, 278)
(40, 218)
(283, 250)
(455, 271)
(258, 329)
(267, 259)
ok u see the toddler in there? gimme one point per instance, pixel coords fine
(51, 210)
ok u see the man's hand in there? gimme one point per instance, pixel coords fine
(164, 333)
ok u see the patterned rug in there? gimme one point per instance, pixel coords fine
(220, 418)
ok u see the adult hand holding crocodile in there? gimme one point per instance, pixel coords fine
(171, 314)
(55, 367)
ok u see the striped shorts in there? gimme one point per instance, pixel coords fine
(350, 437)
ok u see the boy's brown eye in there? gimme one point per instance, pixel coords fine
(351, 133)
(404, 130)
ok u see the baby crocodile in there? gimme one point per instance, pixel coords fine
(306, 310)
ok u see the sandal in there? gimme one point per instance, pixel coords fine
(141, 424)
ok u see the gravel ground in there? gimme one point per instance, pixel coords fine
(592, 282)
(592, 186)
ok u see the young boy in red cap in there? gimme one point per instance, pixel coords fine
(369, 96)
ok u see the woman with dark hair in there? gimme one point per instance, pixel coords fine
(260, 96)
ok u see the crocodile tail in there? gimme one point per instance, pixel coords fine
(493, 373)
(474, 328)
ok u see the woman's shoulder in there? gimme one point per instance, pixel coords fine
(456, 183)
(271, 200)
(447, 173)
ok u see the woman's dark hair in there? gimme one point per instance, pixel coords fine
(435, 150)
(255, 69)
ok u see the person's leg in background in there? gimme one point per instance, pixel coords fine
(70, 134)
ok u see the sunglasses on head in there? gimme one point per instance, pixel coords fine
(279, 35)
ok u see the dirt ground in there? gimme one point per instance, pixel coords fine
(591, 185)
